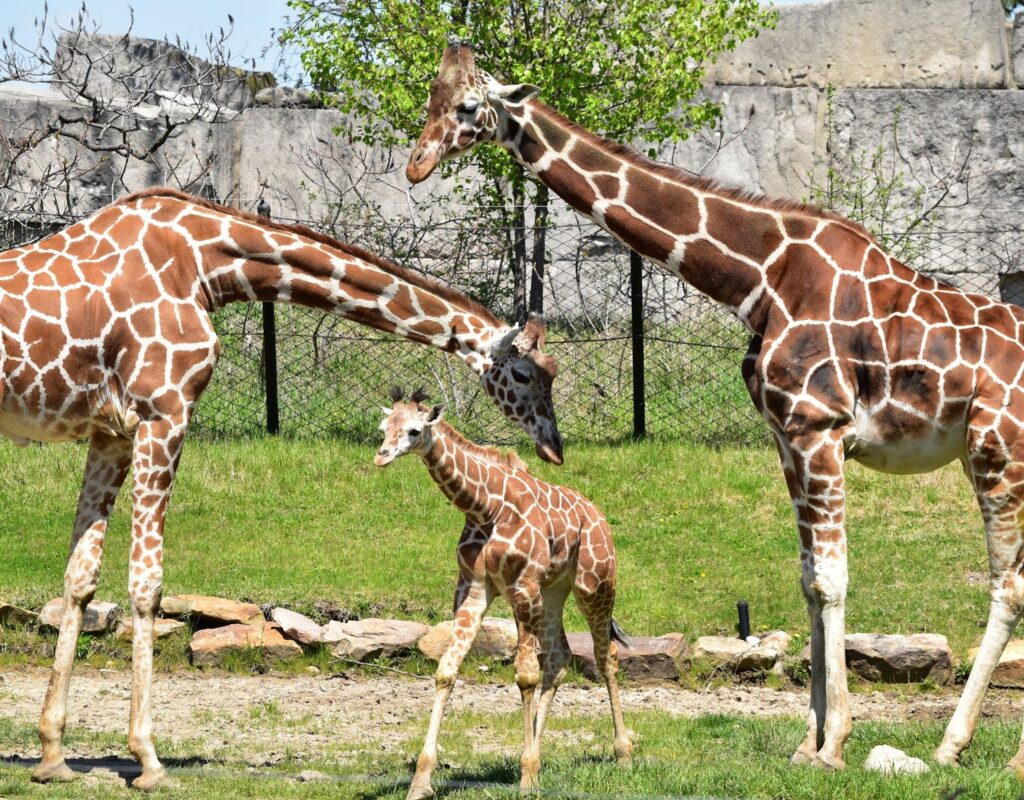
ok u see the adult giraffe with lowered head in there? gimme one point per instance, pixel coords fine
(853, 356)
(106, 335)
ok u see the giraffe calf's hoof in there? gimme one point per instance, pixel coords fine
(149, 780)
(419, 792)
(53, 772)
(624, 753)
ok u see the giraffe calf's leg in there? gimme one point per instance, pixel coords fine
(527, 607)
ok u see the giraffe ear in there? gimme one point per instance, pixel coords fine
(516, 94)
(387, 411)
(436, 413)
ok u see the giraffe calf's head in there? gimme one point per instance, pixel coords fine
(462, 111)
(519, 382)
(407, 427)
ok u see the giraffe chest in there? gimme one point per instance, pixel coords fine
(891, 440)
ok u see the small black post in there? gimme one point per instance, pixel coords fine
(636, 299)
(270, 350)
(744, 612)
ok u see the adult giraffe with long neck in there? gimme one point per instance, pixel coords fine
(853, 355)
(106, 335)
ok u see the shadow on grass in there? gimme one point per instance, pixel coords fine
(125, 768)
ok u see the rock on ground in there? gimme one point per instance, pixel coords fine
(891, 761)
(894, 658)
(209, 647)
(1009, 672)
(648, 658)
(497, 638)
(100, 616)
(298, 626)
(212, 610)
(161, 628)
(736, 655)
(370, 638)
(16, 617)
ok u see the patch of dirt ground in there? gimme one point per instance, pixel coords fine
(265, 716)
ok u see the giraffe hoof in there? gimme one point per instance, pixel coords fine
(624, 753)
(829, 763)
(802, 759)
(949, 758)
(53, 772)
(149, 779)
(419, 792)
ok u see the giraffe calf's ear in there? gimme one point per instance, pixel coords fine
(519, 93)
(436, 413)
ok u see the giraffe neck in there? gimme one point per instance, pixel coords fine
(716, 241)
(450, 458)
(243, 259)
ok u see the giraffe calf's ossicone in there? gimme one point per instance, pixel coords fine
(527, 541)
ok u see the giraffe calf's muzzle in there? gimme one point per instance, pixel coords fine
(384, 457)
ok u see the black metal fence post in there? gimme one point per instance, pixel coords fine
(636, 321)
(270, 350)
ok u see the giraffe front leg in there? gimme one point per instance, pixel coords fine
(473, 598)
(814, 466)
(157, 450)
(554, 660)
(527, 606)
(105, 469)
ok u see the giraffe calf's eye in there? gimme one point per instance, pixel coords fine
(414, 432)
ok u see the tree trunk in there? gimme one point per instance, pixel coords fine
(540, 238)
(518, 255)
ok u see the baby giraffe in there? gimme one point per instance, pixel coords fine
(528, 541)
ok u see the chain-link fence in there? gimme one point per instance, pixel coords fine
(333, 375)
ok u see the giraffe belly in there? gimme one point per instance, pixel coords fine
(916, 449)
(22, 431)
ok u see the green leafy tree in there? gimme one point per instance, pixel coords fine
(629, 69)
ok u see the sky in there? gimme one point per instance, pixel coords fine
(189, 19)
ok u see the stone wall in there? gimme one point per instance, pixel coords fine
(951, 68)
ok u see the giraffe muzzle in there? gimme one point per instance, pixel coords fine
(384, 457)
(422, 162)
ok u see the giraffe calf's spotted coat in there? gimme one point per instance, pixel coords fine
(525, 540)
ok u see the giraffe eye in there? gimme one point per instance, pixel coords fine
(414, 432)
(520, 377)
(468, 106)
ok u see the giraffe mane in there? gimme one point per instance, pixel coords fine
(490, 454)
(632, 156)
(402, 273)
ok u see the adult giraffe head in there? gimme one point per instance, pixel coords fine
(461, 112)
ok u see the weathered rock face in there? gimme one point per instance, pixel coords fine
(868, 43)
(892, 658)
(211, 610)
(209, 647)
(1009, 672)
(100, 616)
(155, 66)
(736, 655)
(287, 97)
(648, 659)
(496, 638)
(371, 638)
(297, 626)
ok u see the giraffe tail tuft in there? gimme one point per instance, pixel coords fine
(619, 635)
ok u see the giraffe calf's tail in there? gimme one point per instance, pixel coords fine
(619, 635)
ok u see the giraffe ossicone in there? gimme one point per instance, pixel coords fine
(853, 355)
(527, 541)
(105, 334)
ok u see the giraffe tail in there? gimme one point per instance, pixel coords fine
(619, 635)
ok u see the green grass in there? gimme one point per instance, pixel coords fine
(710, 756)
(301, 523)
